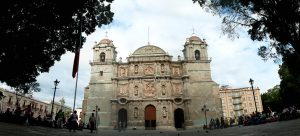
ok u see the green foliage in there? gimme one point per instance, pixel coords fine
(276, 22)
(290, 80)
(272, 99)
(34, 34)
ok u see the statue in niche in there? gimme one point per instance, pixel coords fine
(163, 69)
(164, 112)
(135, 112)
(136, 90)
(136, 69)
(163, 89)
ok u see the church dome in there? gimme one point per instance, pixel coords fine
(105, 41)
(195, 38)
(149, 50)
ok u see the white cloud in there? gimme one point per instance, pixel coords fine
(170, 23)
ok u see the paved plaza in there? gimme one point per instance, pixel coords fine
(283, 128)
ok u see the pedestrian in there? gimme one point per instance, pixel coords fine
(92, 122)
(28, 115)
(73, 121)
(120, 126)
(60, 116)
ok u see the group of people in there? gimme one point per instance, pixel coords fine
(18, 116)
(219, 123)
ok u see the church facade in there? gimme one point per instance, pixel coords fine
(150, 90)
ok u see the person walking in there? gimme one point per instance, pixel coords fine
(60, 116)
(73, 121)
(92, 122)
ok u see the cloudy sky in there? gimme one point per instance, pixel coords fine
(170, 22)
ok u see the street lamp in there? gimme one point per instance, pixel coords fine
(205, 110)
(55, 84)
(251, 83)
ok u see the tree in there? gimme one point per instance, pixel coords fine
(34, 34)
(290, 80)
(272, 99)
(275, 21)
(26, 89)
(2, 96)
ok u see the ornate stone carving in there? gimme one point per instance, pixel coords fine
(176, 71)
(123, 71)
(162, 68)
(149, 70)
(136, 69)
(163, 88)
(177, 88)
(123, 90)
(136, 90)
(149, 88)
(136, 112)
(164, 112)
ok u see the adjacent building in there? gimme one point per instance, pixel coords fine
(240, 101)
(151, 90)
(11, 100)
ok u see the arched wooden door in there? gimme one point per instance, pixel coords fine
(150, 117)
(122, 118)
(179, 118)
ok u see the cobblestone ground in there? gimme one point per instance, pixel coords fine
(283, 128)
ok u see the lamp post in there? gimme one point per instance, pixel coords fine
(55, 84)
(251, 83)
(205, 110)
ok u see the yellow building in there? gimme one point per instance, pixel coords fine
(239, 101)
(11, 100)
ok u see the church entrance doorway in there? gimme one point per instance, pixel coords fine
(179, 118)
(122, 118)
(150, 117)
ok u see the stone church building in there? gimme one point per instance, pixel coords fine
(151, 90)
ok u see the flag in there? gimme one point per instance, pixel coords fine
(76, 63)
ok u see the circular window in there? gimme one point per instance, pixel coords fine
(178, 100)
(122, 100)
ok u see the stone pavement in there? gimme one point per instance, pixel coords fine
(283, 128)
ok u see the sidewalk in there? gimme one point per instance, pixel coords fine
(282, 128)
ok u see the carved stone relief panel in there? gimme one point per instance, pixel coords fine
(149, 69)
(123, 71)
(177, 88)
(176, 71)
(123, 90)
(149, 88)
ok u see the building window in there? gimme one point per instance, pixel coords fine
(101, 73)
(197, 55)
(102, 57)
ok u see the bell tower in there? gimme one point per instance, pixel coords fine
(99, 91)
(201, 89)
(195, 49)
